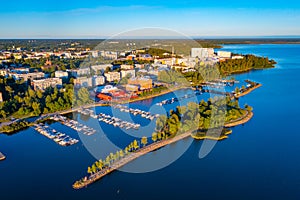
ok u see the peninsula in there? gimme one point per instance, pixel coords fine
(183, 122)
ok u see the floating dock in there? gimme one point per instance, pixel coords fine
(142, 113)
(2, 157)
(75, 125)
(175, 99)
(117, 122)
(58, 137)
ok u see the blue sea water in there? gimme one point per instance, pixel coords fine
(259, 159)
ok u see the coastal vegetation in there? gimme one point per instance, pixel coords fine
(22, 101)
(195, 119)
(214, 134)
(247, 63)
(15, 126)
(208, 72)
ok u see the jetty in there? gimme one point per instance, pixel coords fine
(132, 156)
(75, 125)
(2, 157)
(142, 113)
(176, 99)
(117, 122)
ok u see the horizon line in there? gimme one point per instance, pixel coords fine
(154, 37)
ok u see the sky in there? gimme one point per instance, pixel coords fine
(107, 18)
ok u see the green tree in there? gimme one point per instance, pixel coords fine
(89, 170)
(144, 141)
(154, 137)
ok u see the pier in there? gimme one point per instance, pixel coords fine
(2, 157)
(142, 113)
(75, 125)
(132, 156)
(102, 117)
(175, 99)
(108, 119)
(58, 137)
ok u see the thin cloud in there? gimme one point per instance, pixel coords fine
(84, 11)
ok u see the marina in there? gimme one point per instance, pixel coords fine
(117, 122)
(75, 125)
(175, 99)
(88, 112)
(58, 137)
(142, 113)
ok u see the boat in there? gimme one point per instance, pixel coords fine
(2, 157)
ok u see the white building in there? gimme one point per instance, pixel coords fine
(98, 80)
(45, 83)
(237, 57)
(109, 55)
(202, 52)
(126, 66)
(83, 82)
(130, 73)
(79, 72)
(112, 76)
(61, 74)
(95, 54)
(224, 54)
(31, 76)
(101, 68)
